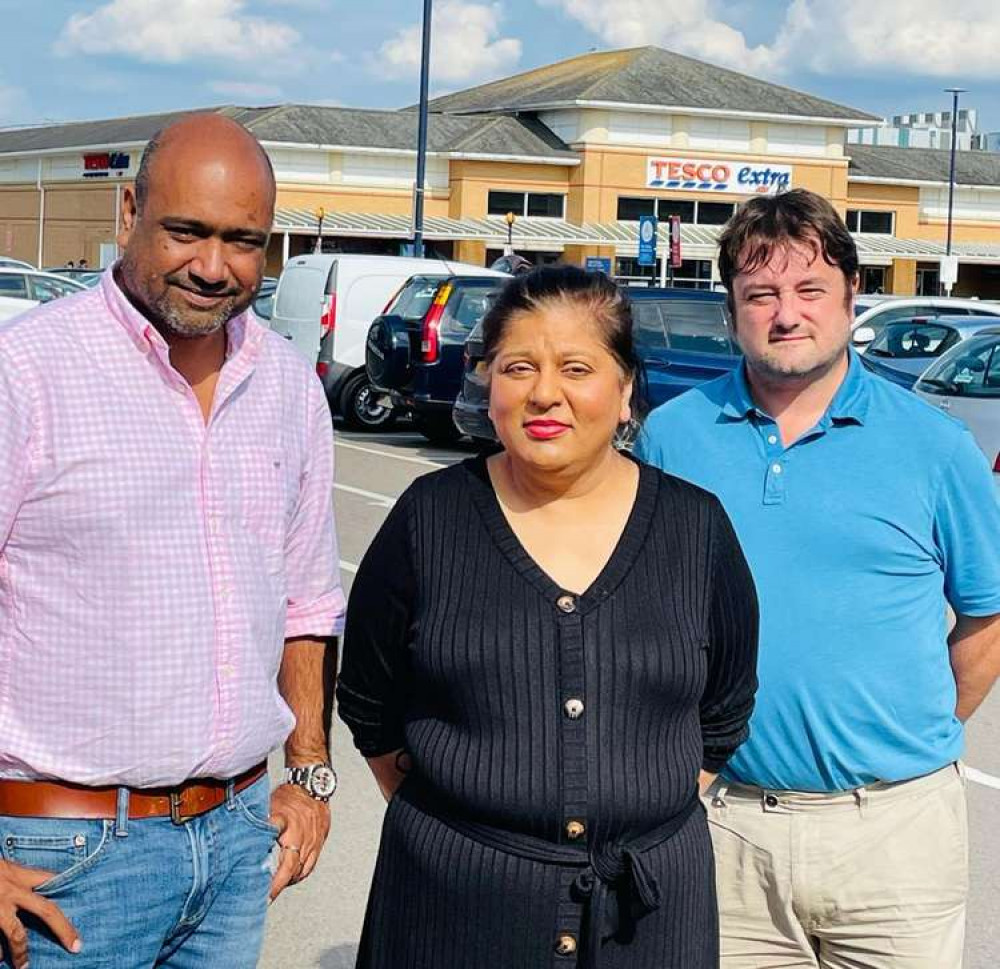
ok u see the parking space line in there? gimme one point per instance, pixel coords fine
(982, 778)
(373, 496)
(388, 454)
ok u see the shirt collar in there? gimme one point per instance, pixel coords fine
(241, 331)
(849, 404)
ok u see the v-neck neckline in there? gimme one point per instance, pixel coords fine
(619, 563)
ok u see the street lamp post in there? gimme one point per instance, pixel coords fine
(954, 92)
(320, 215)
(510, 219)
(418, 201)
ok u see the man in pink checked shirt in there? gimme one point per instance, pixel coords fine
(168, 583)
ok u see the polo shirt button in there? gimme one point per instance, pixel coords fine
(776, 468)
(565, 945)
(772, 439)
(566, 603)
(771, 801)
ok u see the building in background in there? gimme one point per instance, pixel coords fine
(577, 151)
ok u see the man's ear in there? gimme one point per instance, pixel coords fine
(130, 215)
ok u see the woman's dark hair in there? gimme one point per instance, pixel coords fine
(766, 222)
(598, 298)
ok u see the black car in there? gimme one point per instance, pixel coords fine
(414, 350)
(682, 337)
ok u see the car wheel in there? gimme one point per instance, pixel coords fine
(438, 428)
(361, 413)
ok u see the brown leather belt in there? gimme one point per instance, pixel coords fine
(52, 799)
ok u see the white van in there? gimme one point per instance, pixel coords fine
(325, 304)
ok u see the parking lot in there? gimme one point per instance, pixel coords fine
(316, 925)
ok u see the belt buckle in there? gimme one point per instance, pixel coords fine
(176, 814)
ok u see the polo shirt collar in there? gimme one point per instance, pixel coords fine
(849, 404)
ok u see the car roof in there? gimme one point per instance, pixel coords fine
(40, 272)
(409, 264)
(973, 323)
(655, 292)
(943, 302)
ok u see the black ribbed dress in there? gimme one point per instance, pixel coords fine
(550, 818)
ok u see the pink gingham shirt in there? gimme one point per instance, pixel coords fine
(152, 566)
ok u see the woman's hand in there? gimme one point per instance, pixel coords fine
(705, 781)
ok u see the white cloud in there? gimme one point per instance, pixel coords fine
(246, 90)
(938, 38)
(465, 45)
(175, 31)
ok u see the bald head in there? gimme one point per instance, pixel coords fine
(195, 228)
(220, 135)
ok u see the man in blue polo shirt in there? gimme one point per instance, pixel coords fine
(840, 826)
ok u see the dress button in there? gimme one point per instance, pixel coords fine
(565, 945)
(566, 603)
(575, 830)
(573, 708)
(771, 801)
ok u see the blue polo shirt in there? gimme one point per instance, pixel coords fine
(856, 535)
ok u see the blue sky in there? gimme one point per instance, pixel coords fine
(75, 59)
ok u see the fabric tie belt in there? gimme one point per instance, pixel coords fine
(614, 879)
(54, 799)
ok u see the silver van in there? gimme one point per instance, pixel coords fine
(325, 304)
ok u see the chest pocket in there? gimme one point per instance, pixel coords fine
(260, 502)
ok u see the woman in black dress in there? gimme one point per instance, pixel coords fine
(543, 650)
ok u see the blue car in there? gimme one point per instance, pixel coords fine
(682, 336)
(904, 349)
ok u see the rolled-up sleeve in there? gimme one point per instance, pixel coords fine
(728, 699)
(372, 689)
(316, 605)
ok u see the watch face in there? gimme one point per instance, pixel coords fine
(323, 781)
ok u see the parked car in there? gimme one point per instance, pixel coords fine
(682, 337)
(415, 349)
(882, 310)
(13, 263)
(38, 287)
(903, 350)
(965, 382)
(263, 302)
(10, 307)
(325, 304)
(88, 277)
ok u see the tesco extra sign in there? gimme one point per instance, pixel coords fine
(734, 177)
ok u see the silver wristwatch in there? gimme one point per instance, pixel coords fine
(317, 780)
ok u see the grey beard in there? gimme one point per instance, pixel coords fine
(185, 328)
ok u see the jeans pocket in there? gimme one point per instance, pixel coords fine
(64, 847)
(253, 805)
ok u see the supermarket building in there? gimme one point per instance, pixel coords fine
(577, 151)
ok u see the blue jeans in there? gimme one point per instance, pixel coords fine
(150, 892)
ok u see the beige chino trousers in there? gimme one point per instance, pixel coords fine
(875, 878)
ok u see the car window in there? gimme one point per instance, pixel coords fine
(468, 304)
(44, 289)
(913, 341)
(699, 327)
(648, 324)
(971, 370)
(263, 306)
(993, 311)
(892, 313)
(12, 284)
(414, 299)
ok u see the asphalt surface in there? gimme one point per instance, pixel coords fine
(316, 925)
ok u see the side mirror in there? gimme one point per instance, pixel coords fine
(862, 336)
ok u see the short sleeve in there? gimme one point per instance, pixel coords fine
(967, 531)
(728, 699)
(372, 690)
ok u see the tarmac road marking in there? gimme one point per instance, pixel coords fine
(396, 457)
(982, 778)
(373, 496)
